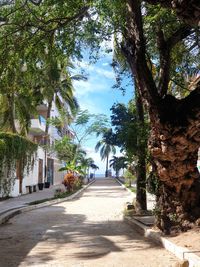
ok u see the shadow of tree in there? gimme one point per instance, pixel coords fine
(55, 234)
(37, 236)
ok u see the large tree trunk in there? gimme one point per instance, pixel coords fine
(175, 128)
(174, 144)
(141, 200)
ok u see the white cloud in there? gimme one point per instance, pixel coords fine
(106, 73)
(98, 81)
(105, 64)
(87, 103)
(93, 84)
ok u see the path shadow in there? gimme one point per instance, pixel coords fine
(34, 238)
(52, 233)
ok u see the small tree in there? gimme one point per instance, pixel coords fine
(106, 147)
(129, 177)
(118, 163)
(94, 167)
(85, 125)
(130, 134)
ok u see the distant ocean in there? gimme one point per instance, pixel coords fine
(97, 175)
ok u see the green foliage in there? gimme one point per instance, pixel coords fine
(65, 149)
(62, 194)
(14, 149)
(94, 166)
(106, 145)
(86, 124)
(72, 167)
(129, 177)
(184, 55)
(36, 66)
(153, 184)
(18, 96)
(127, 128)
(29, 30)
(118, 163)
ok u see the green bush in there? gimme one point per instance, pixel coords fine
(14, 149)
(129, 178)
(153, 184)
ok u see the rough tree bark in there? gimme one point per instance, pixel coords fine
(175, 128)
(174, 144)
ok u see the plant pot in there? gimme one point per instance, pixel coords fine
(47, 184)
(30, 189)
(41, 186)
(34, 188)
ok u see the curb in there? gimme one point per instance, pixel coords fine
(180, 252)
(7, 216)
(125, 187)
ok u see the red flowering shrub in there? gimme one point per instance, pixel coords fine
(69, 181)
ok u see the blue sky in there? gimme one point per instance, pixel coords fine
(97, 96)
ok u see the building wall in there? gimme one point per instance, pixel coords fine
(58, 176)
(32, 178)
(29, 179)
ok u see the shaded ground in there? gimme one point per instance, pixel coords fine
(87, 231)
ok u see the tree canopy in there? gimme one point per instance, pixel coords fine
(160, 42)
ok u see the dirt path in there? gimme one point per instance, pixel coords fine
(87, 231)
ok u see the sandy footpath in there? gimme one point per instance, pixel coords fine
(86, 231)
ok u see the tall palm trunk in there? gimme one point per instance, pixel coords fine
(141, 199)
(107, 160)
(46, 138)
(48, 117)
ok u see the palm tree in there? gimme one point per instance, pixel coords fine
(118, 163)
(94, 167)
(58, 87)
(17, 97)
(86, 163)
(106, 147)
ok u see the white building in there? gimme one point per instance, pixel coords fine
(45, 171)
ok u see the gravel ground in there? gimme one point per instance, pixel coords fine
(85, 232)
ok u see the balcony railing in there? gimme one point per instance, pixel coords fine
(42, 110)
(38, 126)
